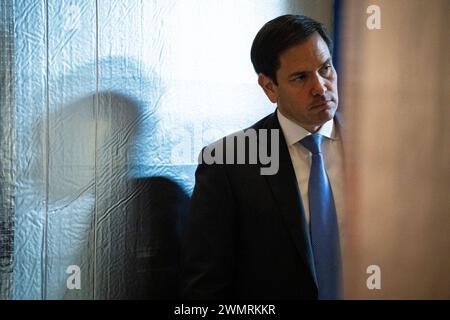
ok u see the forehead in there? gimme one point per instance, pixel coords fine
(309, 54)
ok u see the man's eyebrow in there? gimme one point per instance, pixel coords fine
(302, 73)
(298, 73)
(328, 61)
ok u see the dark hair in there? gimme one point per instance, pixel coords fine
(279, 35)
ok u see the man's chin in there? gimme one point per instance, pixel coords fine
(326, 114)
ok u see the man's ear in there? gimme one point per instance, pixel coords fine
(269, 87)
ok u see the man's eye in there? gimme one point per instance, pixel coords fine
(326, 69)
(300, 78)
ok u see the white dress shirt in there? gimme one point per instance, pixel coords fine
(301, 160)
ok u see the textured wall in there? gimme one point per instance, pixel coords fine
(7, 150)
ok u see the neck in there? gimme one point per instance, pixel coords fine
(312, 129)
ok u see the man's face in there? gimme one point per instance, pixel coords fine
(307, 84)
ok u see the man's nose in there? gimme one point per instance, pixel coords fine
(319, 86)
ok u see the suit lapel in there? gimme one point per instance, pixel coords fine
(285, 191)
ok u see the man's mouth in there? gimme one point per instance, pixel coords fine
(322, 104)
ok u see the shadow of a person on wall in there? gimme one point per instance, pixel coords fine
(121, 230)
(162, 206)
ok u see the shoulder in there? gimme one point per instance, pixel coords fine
(268, 122)
(254, 148)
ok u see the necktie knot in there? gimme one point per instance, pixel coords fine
(313, 143)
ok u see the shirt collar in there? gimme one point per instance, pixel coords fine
(293, 132)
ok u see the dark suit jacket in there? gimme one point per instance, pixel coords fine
(246, 235)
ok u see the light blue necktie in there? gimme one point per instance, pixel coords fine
(323, 223)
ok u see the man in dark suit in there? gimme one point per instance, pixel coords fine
(273, 236)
